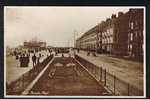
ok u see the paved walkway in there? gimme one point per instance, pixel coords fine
(129, 71)
(13, 69)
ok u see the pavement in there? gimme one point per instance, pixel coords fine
(126, 70)
(13, 69)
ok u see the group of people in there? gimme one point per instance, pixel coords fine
(91, 52)
(24, 58)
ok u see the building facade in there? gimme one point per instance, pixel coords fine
(107, 35)
(34, 44)
(89, 40)
(120, 35)
(135, 33)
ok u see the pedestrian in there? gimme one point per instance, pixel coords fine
(15, 52)
(20, 60)
(40, 55)
(62, 55)
(27, 60)
(23, 60)
(78, 50)
(56, 53)
(69, 55)
(38, 58)
(88, 53)
(34, 59)
(17, 57)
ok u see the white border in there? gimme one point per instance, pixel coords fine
(144, 76)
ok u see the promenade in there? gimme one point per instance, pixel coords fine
(13, 69)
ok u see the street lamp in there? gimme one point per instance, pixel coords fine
(75, 33)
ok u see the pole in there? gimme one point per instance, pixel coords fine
(75, 32)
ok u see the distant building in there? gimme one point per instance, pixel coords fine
(34, 44)
(50, 47)
(89, 40)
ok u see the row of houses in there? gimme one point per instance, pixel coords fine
(120, 35)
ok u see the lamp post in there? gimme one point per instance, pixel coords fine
(75, 33)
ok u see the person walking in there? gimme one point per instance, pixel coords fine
(34, 59)
(27, 60)
(62, 55)
(17, 56)
(38, 58)
(21, 60)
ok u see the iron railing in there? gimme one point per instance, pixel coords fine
(112, 82)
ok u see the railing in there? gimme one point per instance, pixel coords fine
(114, 84)
(16, 87)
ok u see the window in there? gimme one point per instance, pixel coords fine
(131, 25)
(111, 31)
(130, 46)
(107, 30)
(131, 37)
(111, 40)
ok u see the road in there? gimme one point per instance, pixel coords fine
(65, 77)
(129, 71)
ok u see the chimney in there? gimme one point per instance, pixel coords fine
(113, 16)
(120, 14)
(107, 19)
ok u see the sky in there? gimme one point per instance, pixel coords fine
(54, 25)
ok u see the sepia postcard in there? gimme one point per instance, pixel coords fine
(74, 52)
